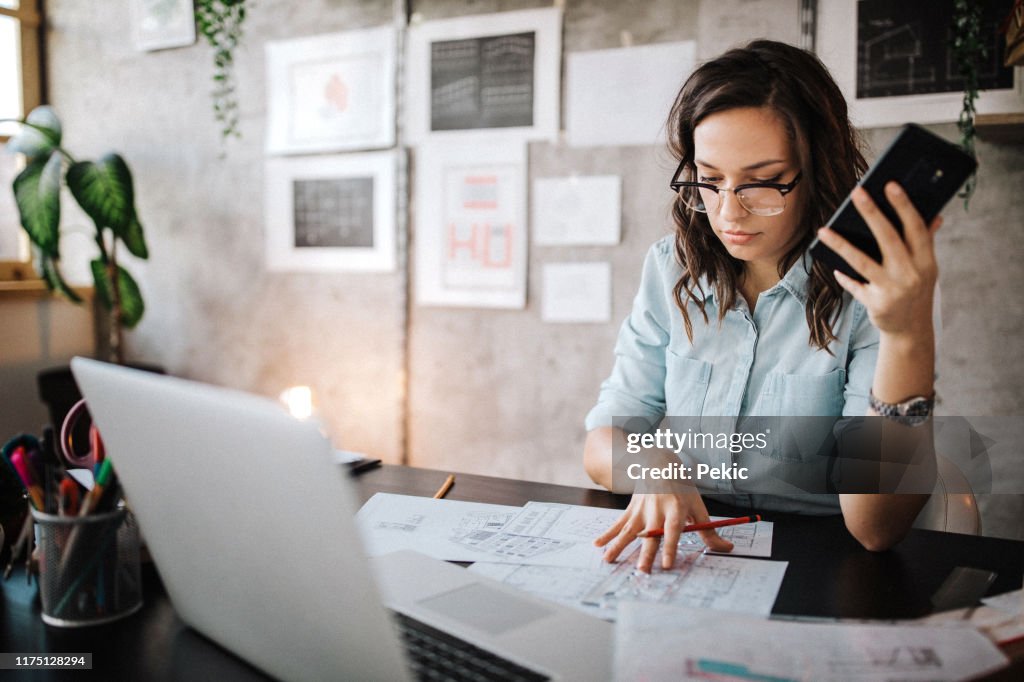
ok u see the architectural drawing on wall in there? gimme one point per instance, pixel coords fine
(486, 73)
(905, 50)
(471, 225)
(482, 82)
(893, 62)
(160, 24)
(329, 213)
(331, 92)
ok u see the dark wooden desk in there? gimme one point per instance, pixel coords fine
(829, 575)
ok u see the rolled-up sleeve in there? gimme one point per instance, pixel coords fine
(636, 386)
(860, 364)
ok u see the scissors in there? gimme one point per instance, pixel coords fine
(95, 452)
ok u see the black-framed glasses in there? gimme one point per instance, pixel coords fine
(758, 198)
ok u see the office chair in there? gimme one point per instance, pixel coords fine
(953, 512)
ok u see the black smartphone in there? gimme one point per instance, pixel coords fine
(928, 168)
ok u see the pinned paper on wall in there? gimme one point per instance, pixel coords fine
(160, 24)
(471, 224)
(331, 92)
(576, 210)
(477, 75)
(577, 292)
(622, 96)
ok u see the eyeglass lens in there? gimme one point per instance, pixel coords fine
(763, 201)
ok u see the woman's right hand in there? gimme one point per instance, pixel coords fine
(651, 511)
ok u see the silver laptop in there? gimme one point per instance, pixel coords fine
(250, 522)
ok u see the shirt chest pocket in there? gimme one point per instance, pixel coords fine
(686, 385)
(806, 395)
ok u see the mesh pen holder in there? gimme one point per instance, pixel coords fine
(88, 567)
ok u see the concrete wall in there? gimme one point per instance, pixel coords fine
(489, 392)
(36, 333)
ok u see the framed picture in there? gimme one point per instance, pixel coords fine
(479, 75)
(470, 222)
(160, 24)
(893, 62)
(332, 92)
(331, 213)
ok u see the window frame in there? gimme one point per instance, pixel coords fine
(29, 14)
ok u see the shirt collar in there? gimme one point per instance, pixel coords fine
(794, 281)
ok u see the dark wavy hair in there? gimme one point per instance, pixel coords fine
(800, 91)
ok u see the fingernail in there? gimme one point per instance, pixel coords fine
(894, 189)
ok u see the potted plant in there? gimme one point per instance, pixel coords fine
(104, 190)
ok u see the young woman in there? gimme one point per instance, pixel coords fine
(735, 318)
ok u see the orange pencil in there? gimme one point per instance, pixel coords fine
(445, 487)
(658, 532)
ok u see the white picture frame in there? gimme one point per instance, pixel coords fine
(162, 24)
(332, 92)
(331, 213)
(470, 224)
(545, 27)
(836, 46)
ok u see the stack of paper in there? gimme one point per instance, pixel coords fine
(658, 642)
(547, 549)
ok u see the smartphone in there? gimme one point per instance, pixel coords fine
(928, 168)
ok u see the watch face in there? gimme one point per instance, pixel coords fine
(917, 407)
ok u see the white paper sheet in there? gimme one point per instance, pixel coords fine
(577, 292)
(564, 585)
(698, 580)
(443, 529)
(576, 210)
(658, 642)
(622, 96)
(749, 539)
(470, 224)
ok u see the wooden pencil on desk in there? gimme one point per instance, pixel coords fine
(445, 487)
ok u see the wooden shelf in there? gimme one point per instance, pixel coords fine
(34, 288)
(1000, 128)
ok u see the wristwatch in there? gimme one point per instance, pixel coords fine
(911, 412)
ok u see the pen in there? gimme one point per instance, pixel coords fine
(361, 465)
(68, 497)
(93, 498)
(445, 487)
(658, 532)
(24, 469)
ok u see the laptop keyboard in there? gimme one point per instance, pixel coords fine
(436, 655)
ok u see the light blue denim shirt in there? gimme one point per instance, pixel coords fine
(749, 364)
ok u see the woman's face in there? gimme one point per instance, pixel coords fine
(740, 146)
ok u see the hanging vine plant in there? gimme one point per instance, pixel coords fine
(220, 22)
(969, 50)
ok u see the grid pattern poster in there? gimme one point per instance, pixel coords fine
(482, 82)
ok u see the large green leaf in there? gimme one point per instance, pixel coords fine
(40, 138)
(104, 191)
(134, 239)
(132, 306)
(54, 280)
(37, 193)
